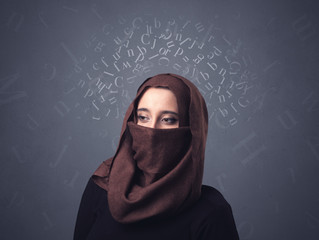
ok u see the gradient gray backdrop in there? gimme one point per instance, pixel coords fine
(70, 68)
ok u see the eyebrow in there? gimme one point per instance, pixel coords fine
(163, 112)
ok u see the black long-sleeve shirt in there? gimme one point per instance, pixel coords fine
(209, 218)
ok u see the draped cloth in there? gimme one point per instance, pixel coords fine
(157, 173)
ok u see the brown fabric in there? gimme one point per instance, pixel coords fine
(157, 172)
(157, 151)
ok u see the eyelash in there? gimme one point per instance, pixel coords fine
(141, 117)
(170, 120)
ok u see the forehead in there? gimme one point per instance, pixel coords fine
(158, 97)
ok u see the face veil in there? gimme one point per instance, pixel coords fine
(156, 173)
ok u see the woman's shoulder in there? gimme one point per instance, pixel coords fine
(212, 216)
(213, 202)
(93, 190)
(211, 195)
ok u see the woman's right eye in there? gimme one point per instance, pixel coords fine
(142, 118)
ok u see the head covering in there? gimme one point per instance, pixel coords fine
(156, 173)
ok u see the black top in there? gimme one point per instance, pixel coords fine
(209, 218)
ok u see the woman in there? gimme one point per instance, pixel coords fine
(152, 187)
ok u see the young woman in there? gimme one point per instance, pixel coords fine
(152, 187)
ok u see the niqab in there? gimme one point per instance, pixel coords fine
(157, 173)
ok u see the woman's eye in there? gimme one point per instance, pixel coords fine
(170, 120)
(142, 118)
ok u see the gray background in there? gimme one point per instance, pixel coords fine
(70, 68)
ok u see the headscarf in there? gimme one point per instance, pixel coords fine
(157, 173)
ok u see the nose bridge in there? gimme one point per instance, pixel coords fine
(155, 122)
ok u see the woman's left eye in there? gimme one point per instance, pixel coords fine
(169, 120)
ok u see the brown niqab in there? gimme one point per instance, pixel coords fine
(157, 173)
